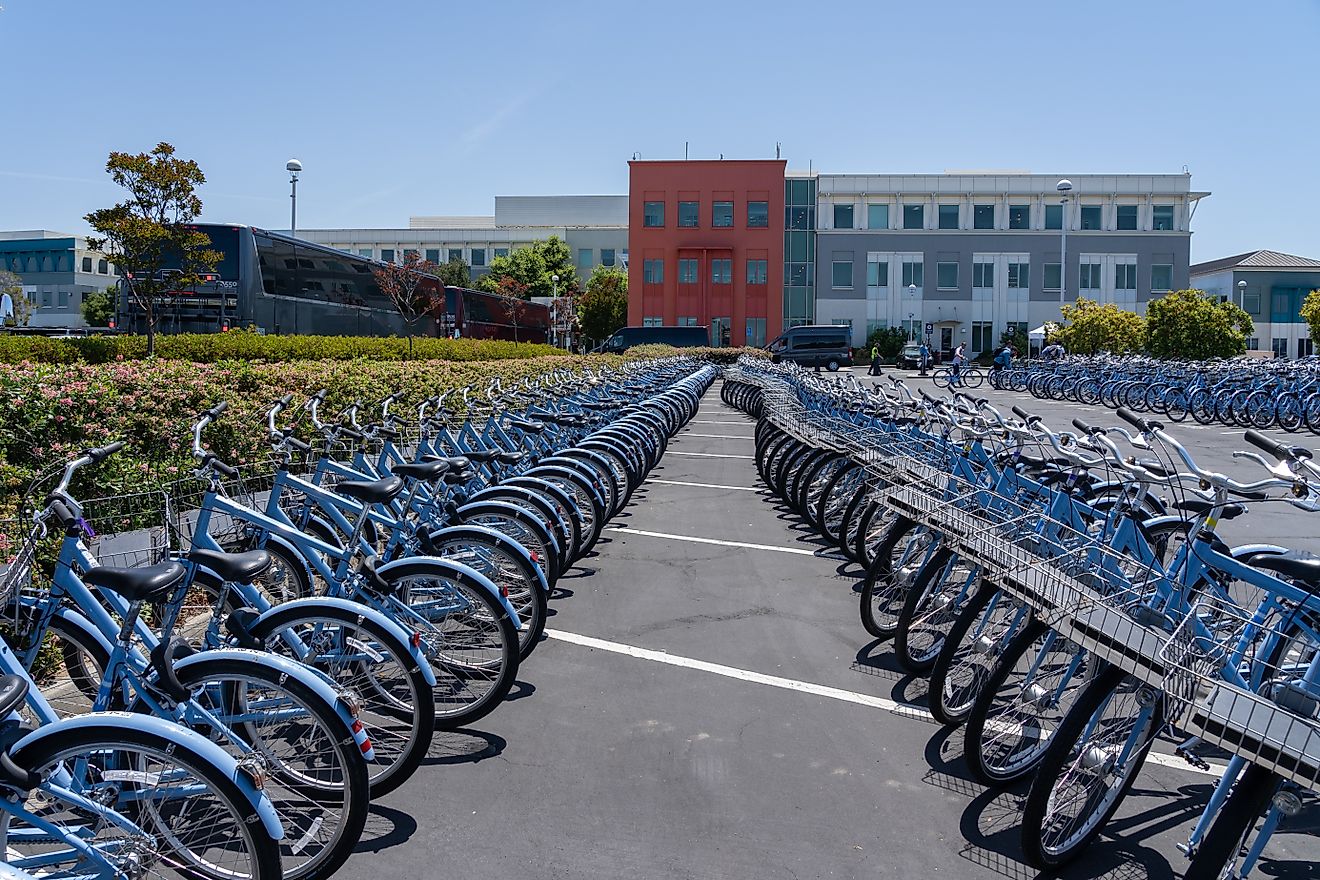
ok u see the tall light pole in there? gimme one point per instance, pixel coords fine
(1242, 295)
(294, 167)
(912, 307)
(1064, 187)
(554, 307)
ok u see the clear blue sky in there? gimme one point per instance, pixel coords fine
(423, 107)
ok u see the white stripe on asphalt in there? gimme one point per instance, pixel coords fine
(706, 454)
(705, 485)
(805, 687)
(624, 530)
(717, 436)
(713, 422)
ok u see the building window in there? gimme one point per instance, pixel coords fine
(1161, 277)
(688, 321)
(983, 274)
(877, 216)
(914, 217)
(1161, 218)
(585, 258)
(913, 272)
(504, 252)
(455, 254)
(1015, 327)
(687, 214)
(721, 271)
(755, 333)
(1125, 276)
(757, 271)
(45, 299)
(948, 216)
(433, 255)
(687, 271)
(758, 215)
(841, 273)
(410, 254)
(1280, 347)
(1253, 343)
(946, 276)
(478, 256)
(387, 255)
(1251, 301)
(982, 336)
(1088, 276)
(653, 322)
(607, 256)
(1091, 216)
(1053, 276)
(721, 215)
(1054, 216)
(1127, 217)
(983, 217)
(1019, 275)
(843, 216)
(1305, 348)
(366, 252)
(653, 213)
(877, 274)
(103, 267)
(653, 271)
(87, 264)
(1019, 216)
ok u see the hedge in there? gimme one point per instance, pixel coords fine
(246, 346)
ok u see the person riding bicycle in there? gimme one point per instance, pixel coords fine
(1053, 352)
(1004, 359)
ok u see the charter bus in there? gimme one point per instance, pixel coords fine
(284, 285)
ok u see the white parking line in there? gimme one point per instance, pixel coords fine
(712, 422)
(717, 436)
(704, 485)
(695, 540)
(804, 687)
(706, 454)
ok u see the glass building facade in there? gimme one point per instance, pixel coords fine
(799, 251)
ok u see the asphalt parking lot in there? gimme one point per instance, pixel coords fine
(707, 705)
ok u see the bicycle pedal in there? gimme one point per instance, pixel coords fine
(1192, 758)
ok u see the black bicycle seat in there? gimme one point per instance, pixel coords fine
(373, 491)
(510, 457)
(482, 456)
(421, 470)
(456, 462)
(526, 425)
(1197, 506)
(13, 691)
(236, 568)
(1296, 565)
(148, 583)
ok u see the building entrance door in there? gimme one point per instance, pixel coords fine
(946, 340)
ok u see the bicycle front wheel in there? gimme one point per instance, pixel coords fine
(199, 824)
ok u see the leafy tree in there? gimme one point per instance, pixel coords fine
(1093, 328)
(455, 273)
(1016, 337)
(12, 285)
(890, 341)
(1311, 312)
(98, 307)
(411, 287)
(603, 307)
(1189, 324)
(152, 227)
(532, 267)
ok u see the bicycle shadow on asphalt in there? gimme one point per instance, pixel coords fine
(463, 746)
(877, 658)
(386, 827)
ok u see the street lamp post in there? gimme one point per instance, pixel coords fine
(554, 307)
(294, 167)
(912, 307)
(1242, 295)
(1064, 187)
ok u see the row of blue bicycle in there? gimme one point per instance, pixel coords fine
(1067, 614)
(215, 679)
(1243, 392)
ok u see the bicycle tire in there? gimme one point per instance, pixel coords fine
(930, 609)
(1225, 839)
(972, 646)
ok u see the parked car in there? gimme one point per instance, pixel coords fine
(679, 337)
(820, 345)
(910, 356)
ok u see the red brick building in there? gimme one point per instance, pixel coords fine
(706, 247)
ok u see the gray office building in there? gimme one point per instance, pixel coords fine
(971, 255)
(56, 271)
(1270, 287)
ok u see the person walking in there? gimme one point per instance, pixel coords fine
(875, 361)
(959, 358)
(923, 356)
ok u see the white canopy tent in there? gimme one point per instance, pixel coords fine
(1037, 335)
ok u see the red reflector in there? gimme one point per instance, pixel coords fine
(536, 557)
(416, 639)
(504, 592)
(356, 726)
(366, 746)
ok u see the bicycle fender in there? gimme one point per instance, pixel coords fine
(504, 541)
(451, 567)
(170, 732)
(292, 669)
(272, 538)
(1250, 551)
(76, 620)
(365, 612)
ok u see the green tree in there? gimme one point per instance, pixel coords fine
(98, 307)
(153, 227)
(1016, 337)
(455, 273)
(532, 268)
(1311, 312)
(889, 340)
(12, 285)
(411, 286)
(1189, 324)
(1093, 328)
(603, 307)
